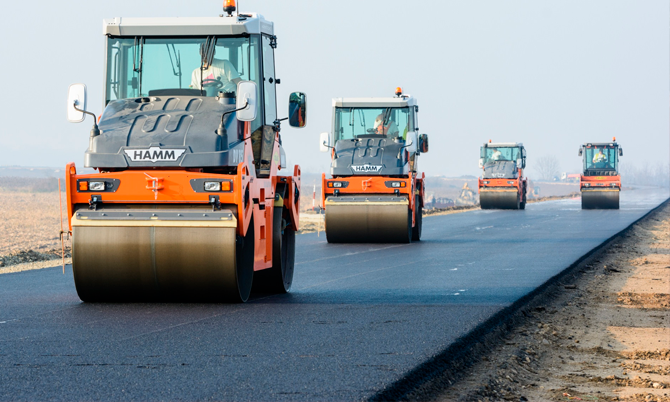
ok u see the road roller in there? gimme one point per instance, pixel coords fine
(600, 183)
(375, 193)
(186, 195)
(502, 185)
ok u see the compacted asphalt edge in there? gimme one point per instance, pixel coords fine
(446, 367)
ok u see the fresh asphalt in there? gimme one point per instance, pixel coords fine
(358, 319)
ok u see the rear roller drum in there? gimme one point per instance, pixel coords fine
(279, 278)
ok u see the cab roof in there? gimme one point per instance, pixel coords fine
(601, 144)
(244, 23)
(403, 101)
(503, 144)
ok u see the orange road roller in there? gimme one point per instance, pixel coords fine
(188, 197)
(502, 185)
(376, 192)
(600, 184)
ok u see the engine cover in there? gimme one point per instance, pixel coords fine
(369, 156)
(501, 170)
(164, 131)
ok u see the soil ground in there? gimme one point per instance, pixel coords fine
(29, 230)
(603, 336)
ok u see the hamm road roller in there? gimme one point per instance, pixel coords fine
(502, 185)
(600, 183)
(191, 199)
(376, 192)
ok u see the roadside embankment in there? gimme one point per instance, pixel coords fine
(600, 334)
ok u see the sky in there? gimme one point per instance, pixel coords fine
(552, 74)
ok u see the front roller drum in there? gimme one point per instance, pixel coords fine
(161, 263)
(499, 199)
(600, 199)
(368, 220)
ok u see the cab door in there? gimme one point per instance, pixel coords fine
(270, 106)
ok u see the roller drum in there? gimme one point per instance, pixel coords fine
(492, 199)
(368, 220)
(150, 261)
(600, 199)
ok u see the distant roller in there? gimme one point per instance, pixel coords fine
(502, 185)
(600, 183)
(499, 199)
(368, 220)
(600, 199)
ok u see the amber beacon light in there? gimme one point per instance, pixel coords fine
(398, 91)
(229, 6)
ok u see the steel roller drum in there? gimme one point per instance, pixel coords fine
(363, 219)
(499, 199)
(600, 199)
(128, 255)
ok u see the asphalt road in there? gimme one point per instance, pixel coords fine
(359, 316)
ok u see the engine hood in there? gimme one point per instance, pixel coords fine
(163, 131)
(369, 156)
(501, 170)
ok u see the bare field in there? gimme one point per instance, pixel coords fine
(30, 222)
(29, 219)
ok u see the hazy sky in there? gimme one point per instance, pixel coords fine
(550, 74)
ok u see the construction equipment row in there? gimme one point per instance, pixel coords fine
(191, 197)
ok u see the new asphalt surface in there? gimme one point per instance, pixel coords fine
(358, 319)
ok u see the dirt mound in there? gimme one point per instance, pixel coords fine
(21, 257)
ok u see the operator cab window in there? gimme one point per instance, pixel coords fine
(495, 154)
(392, 123)
(194, 66)
(600, 158)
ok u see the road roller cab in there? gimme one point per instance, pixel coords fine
(600, 183)
(502, 185)
(192, 198)
(376, 192)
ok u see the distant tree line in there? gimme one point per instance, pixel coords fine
(645, 175)
(30, 184)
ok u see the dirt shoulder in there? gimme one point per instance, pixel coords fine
(600, 335)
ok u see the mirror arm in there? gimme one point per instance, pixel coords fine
(403, 147)
(277, 123)
(221, 131)
(325, 144)
(95, 131)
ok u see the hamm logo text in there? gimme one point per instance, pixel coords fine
(366, 168)
(154, 154)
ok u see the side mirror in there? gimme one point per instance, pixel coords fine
(297, 109)
(620, 151)
(324, 142)
(481, 163)
(423, 143)
(247, 100)
(580, 152)
(76, 96)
